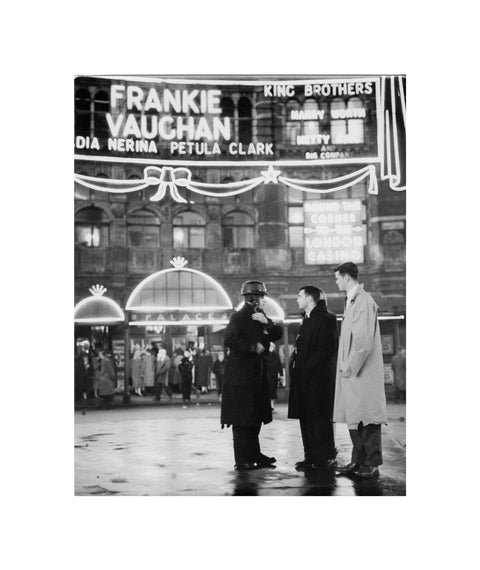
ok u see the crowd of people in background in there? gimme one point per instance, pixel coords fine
(153, 372)
(95, 375)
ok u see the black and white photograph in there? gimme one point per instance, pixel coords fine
(240, 285)
(205, 314)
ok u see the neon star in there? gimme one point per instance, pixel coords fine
(270, 175)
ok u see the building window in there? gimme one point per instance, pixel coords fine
(269, 122)
(143, 229)
(82, 112)
(295, 226)
(188, 230)
(294, 126)
(347, 121)
(101, 106)
(244, 120)
(237, 230)
(91, 228)
(355, 122)
(228, 110)
(310, 107)
(338, 126)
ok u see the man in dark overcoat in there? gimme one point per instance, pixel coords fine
(245, 398)
(312, 379)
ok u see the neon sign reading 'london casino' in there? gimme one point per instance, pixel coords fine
(187, 122)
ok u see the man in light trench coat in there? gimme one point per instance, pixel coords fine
(360, 386)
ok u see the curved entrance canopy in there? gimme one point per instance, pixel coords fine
(179, 289)
(97, 309)
(272, 309)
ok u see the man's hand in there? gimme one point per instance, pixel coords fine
(345, 373)
(260, 317)
(260, 348)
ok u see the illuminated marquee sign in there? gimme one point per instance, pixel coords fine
(334, 231)
(174, 121)
(175, 318)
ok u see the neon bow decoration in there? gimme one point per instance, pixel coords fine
(168, 178)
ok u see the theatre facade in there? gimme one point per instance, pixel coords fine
(185, 187)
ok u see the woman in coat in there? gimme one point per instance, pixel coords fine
(203, 368)
(174, 378)
(245, 398)
(148, 371)
(106, 385)
(137, 371)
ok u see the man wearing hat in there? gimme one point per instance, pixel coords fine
(246, 398)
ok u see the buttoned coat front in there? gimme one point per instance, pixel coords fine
(360, 397)
(245, 396)
(312, 366)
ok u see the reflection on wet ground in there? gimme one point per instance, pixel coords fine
(313, 484)
(176, 451)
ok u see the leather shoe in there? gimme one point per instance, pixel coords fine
(264, 461)
(367, 472)
(327, 464)
(244, 466)
(347, 469)
(303, 465)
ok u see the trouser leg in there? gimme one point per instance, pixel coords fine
(318, 440)
(306, 440)
(255, 442)
(367, 444)
(246, 446)
(358, 450)
(372, 442)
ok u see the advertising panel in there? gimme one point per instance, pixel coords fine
(334, 231)
(182, 121)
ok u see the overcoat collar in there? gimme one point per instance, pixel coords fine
(319, 307)
(358, 290)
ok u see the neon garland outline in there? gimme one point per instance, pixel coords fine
(168, 179)
(388, 121)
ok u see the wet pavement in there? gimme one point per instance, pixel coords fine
(177, 450)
